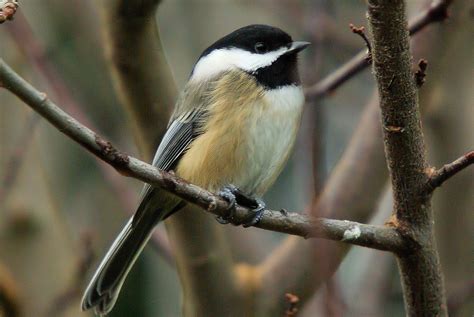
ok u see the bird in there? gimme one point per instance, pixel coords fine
(231, 132)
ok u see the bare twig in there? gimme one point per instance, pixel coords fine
(7, 9)
(336, 78)
(420, 74)
(437, 178)
(383, 238)
(420, 270)
(435, 13)
(293, 301)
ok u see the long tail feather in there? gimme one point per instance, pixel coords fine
(103, 290)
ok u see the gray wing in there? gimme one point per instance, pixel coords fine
(186, 124)
(182, 131)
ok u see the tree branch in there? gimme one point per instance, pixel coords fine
(437, 178)
(405, 154)
(436, 12)
(382, 238)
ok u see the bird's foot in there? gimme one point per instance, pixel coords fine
(234, 195)
(257, 207)
(227, 193)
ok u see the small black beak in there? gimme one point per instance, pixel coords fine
(297, 46)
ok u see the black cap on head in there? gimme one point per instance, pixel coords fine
(267, 53)
(255, 38)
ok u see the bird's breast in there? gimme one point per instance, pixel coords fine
(271, 137)
(248, 137)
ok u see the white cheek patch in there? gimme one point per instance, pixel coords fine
(232, 58)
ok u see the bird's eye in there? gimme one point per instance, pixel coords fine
(260, 48)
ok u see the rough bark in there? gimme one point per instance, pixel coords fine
(405, 152)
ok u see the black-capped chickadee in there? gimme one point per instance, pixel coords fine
(231, 132)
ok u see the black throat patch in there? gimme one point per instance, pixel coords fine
(282, 72)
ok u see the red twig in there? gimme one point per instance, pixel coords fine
(361, 32)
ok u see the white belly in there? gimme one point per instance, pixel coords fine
(271, 137)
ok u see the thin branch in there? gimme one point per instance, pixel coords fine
(338, 77)
(436, 12)
(8, 9)
(420, 270)
(382, 238)
(437, 178)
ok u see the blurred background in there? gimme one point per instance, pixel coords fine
(60, 208)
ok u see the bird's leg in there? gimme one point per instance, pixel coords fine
(234, 195)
